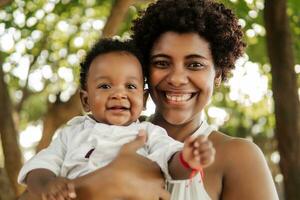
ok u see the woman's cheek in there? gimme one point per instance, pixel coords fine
(155, 76)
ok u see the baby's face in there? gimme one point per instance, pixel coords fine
(114, 88)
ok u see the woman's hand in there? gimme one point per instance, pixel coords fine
(129, 176)
(59, 188)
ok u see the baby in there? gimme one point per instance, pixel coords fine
(112, 92)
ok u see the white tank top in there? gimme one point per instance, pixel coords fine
(191, 189)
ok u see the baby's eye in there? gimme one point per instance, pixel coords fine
(131, 86)
(161, 63)
(104, 86)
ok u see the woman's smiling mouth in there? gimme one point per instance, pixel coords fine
(178, 97)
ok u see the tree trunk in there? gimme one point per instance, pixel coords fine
(286, 98)
(6, 192)
(11, 150)
(117, 14)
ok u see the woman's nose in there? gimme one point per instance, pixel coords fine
(177, 77)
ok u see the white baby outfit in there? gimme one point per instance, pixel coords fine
(85, 145)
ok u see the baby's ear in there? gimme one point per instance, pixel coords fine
(146, 95)
(85, 100)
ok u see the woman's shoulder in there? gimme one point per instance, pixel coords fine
(236, 149)
(237, 156)
(241, 162)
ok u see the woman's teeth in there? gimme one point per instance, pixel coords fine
(178, 98)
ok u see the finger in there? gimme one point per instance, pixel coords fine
(197, 158)
(60, 190)
(196, 152)
(189, 141)
(44, 196)
(71, 190)
(59, 196)
(210, 152)
(137, 143)
(51, 197)
(53, 190)
(196, 144)
(201, 138)
(164, 195)
(207, 158)
(206, 146)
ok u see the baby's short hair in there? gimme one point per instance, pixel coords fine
(104, 46)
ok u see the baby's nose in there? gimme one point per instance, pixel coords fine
(120, 94)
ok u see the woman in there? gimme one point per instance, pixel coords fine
(190, 46)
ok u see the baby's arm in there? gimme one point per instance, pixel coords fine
(197, 153)
(46, 185)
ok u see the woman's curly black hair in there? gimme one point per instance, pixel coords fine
(211, 20)
(104, 46)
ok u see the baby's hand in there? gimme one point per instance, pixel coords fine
(59, 189)
(198, 152)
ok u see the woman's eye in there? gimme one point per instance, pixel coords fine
(104, 86)
(160, 63)
(131, 86)
(195, 65)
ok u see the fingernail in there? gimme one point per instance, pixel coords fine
(72, 195)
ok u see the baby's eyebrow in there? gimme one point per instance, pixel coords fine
(102, 78)
(134, 78)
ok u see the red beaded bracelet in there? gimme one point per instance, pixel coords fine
(183, 162)
(187, 166)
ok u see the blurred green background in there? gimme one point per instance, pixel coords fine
(43, 41)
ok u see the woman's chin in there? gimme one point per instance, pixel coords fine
(176, 119)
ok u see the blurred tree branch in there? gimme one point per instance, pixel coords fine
(6, 192)
(8, 131)
(116, 17)
(4, 3)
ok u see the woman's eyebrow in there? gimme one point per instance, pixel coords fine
(160, 55)
(195, 56)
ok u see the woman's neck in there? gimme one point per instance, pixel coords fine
(178, 132)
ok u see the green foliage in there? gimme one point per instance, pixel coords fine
(33, 109)
(294, 18)
(71, 27)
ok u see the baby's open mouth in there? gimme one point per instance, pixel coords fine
(119, 108)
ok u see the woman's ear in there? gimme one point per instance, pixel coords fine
(84, 100)
(146, 95)
(218, 78)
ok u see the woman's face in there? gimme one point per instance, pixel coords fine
(182, 76)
